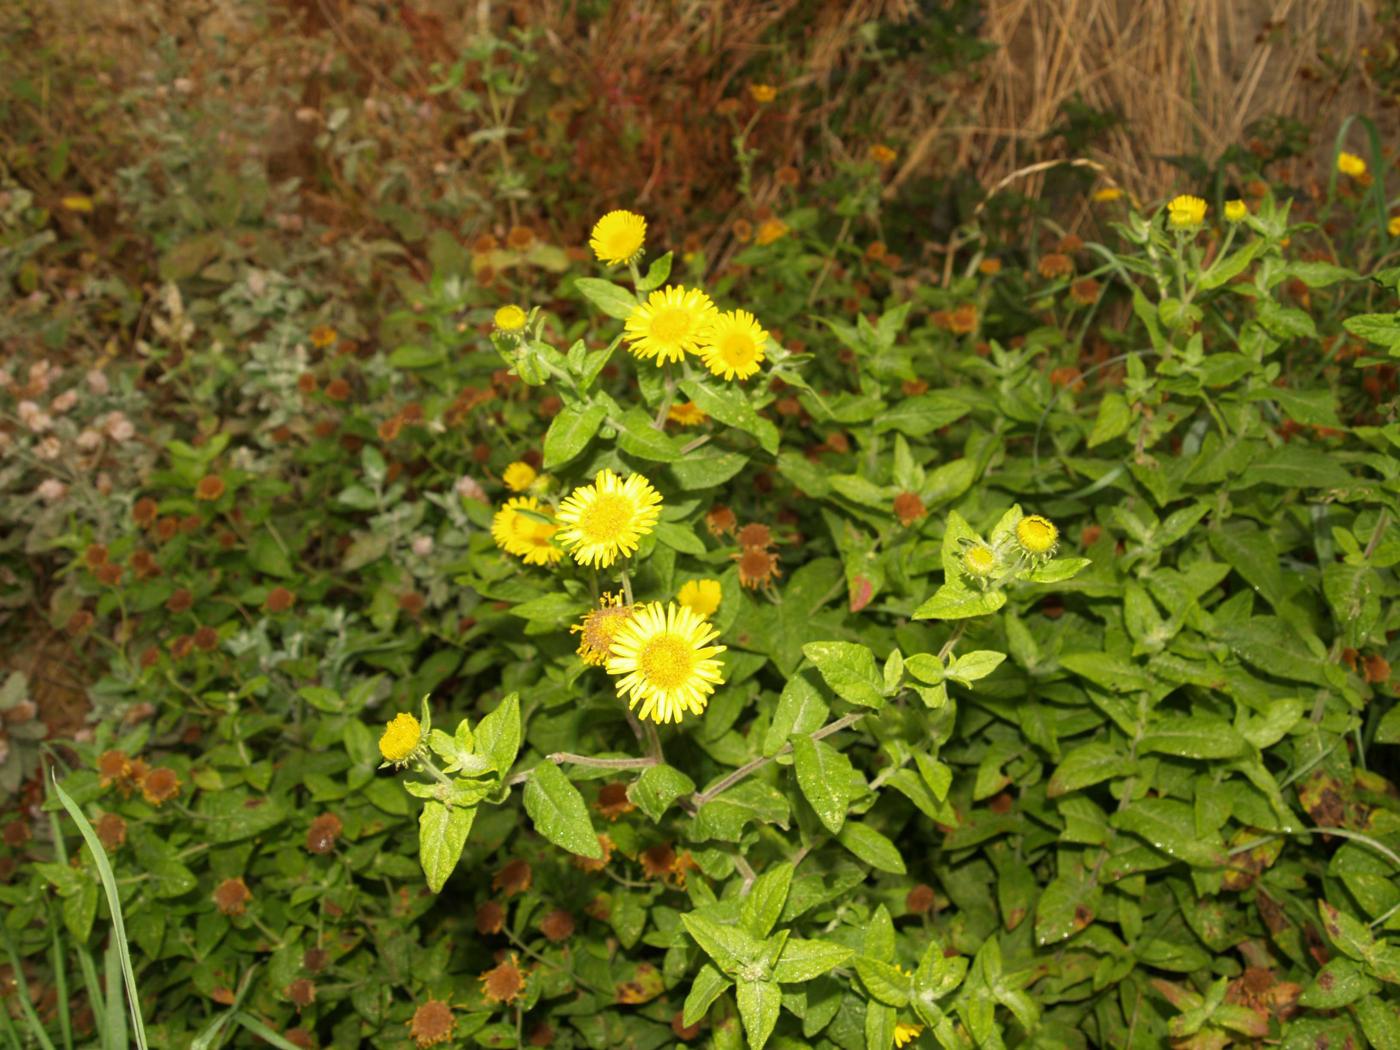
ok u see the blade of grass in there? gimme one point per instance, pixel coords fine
(114, 1023)
(263, 1032)
(213, 1034)
(85, 961)
(114, 903)
(9, 1027)
(31, 1018)
(58, 961)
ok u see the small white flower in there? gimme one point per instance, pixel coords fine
(89, 441)
(97, 382)
(422, 546)
(469, 488)
(51, 490)
(64, 401)
(49, 449)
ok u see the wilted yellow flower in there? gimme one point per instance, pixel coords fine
(763, 92)
(1107, 194)
(770, 231)
(1393, 226)
(77, 202)
(670, 324)
(607, 519)
(598, 628)
(1235, 210)
(510, 319)
(733, 346)
(1037, 535)
(1186, 211)
(401, 738)
(618, 236)
(882, 154)
(322, 336)
(686, 413)
(519, 476)
(1350, 164)
(663, 660)
(701, 597)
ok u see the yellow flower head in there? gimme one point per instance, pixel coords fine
(770, 231)
(401, 738)
(1393, 226)
(1351, 164)
(686, 413)
(979, 561)
(618, 236)
(519, 476)
(605, 520)
(1107, 194)
(763, 92)
(1036, 535)
(733, 346)
(882, 154)
(702, 597)
(904, 1032)
(522, 528)
(322, 336)
(1235, 210)
(664, 661)
(1186, 211)
(598, 628)
(670, 324)
(510, 319)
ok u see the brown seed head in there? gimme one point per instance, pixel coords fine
(210, 488)
(755, 534)
(279, 600)
(919, 899)
(111, 830)
(720, 521)
(757, 567)
(504, 983)
(232, 896)
(145, 511)
(432, 1023)
(557, 926)
(908, 508)
(490, 918)
(206, 639)
(321, 836)
(613, 801)
(302, 992)
(514, 878)
(160, 785)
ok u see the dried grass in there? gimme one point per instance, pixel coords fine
(1187, 77)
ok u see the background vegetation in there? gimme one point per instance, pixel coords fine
(255, 416)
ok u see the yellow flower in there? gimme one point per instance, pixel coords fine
(510, 319)
(702, 597)
(605, 520)
(519, 476)
(522, 528)
(770, 231)
(670, 324)
(904, 1032)
(1186, 211)
(1351, 164)
(1393, 226)
(1036, 535)
(77, 202)
(401, 738)
(618, 236)
(1107, 194)
(598, 628)
(664, 661)
(322, 336)
(763, 92)
(1235, 210)
(980, 560)
(733, 346)
(882, 154)
(686, 413)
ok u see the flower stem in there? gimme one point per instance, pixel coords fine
(701, 797)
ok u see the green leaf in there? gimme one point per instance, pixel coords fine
(766, 897)
(872, 847)
(955, 602)
(1170, 826)
(1340, 982)
(658, 787)
(800, 709)
(498, 735)
(1056, 570)
(759, 1002)
(1193, 736)
(680, 537)
(570, 432)
(612, 299)
(823, 773)
(805, 960)
(442, 832)
(637, 437)
(977, 664)
(884, 981)
(558, 811)
(1380, 1020)
(1066, 906)
(1296, 467)
(725, 817)
(1272, 646)
(849, 669)
(880, 1022)
(1112, 420)
(729, 945)
(1089, 764)
(921, 415)
(729, 403)
(267, 556)
(709, 985)
(1226, 269)
(413, 356)
(1383, 329)
(1108, 671)
(656, 274)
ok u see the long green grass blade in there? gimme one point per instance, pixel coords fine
(59, 962)
(86, 964)
(114, 903)
(213, 1034)
(263, 1032)
(114, 1022)
(26, 1005)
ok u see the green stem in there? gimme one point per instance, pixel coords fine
(700, 798)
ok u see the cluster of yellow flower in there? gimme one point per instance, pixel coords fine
(675, 320)
(1036, 539)
(661, 654)
(1186, 212)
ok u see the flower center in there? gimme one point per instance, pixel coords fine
(667, 661)
(671, 324)
(1037, 534)
(979, 559)
(607, 517)
(736, 348)
(601, 625)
